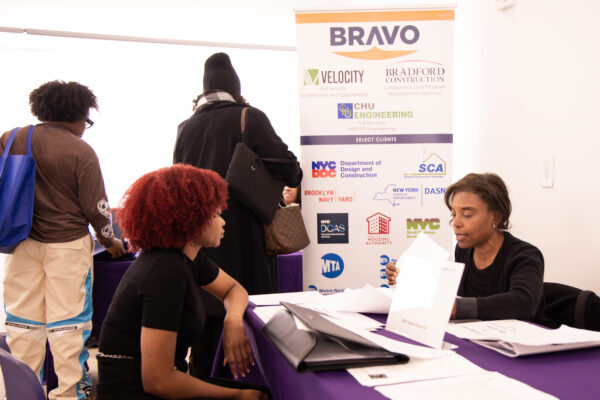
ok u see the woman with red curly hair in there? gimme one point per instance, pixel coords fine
(170, 214)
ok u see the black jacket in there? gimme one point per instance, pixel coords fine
(207, 140)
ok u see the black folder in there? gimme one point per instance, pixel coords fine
(326, 346)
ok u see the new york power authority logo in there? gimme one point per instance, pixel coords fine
(378, 228)
(332, 228)
(332, 265)
(414, 226)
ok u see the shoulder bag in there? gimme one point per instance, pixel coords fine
(17, 183)
(251, 182)
(286, 233)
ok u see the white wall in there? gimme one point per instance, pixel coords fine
(525, 87)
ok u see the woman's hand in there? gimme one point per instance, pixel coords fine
(251, 395)
(391, 272)
(236, 346)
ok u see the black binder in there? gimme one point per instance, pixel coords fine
(326, 346)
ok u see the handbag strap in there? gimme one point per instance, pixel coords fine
(275, 160)
(9, 143)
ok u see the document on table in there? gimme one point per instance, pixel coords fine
(515, 338)
(487, 386)
(416, 370)
(365, 300)
(310, 296)
(425, 292)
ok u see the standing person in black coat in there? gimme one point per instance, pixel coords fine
(207, 140)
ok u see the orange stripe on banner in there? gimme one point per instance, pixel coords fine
(375, 16)
(374, 53)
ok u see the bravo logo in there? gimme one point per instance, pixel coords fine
(373, 36)
(323, 169)
(332, 265)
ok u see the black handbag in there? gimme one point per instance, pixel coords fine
(252, 183)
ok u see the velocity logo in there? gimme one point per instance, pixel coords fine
(332, 265)
(311, 77)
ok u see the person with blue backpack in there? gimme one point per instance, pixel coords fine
(48, 276)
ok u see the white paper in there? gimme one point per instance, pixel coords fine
(424, 247)
(273, 299)
(515, 331)
(395, 346)
(488, 386)
(422, 303)
(415, 370)
(516, 338)
(365, 300)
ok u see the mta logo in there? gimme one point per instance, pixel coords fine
(345, 111)
(419, 223)
(312, 288)
(323, 169)
(311, 77)
(332, 265)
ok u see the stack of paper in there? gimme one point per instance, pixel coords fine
(515, 338)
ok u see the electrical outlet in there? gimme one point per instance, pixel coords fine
(504, 4)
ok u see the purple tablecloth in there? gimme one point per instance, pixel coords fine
(290, 272)
(566, 375)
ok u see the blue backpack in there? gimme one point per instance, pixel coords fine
(17, 183)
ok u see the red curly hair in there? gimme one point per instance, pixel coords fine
(170, 206)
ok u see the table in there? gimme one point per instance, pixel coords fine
(566, 375)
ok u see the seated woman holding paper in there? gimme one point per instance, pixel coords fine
(503, 275)
(157, 311)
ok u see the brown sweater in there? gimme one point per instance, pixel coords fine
(69, 188)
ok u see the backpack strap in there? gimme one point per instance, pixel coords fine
(579, 314)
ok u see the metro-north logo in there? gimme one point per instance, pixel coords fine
(314, 77)
(324, 169)
(332, 265)
(373, 36)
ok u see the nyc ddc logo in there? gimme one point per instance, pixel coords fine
(345, 111)
(332, 265)
(324, 169)
(311, 77)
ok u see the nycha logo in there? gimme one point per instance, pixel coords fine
(324, 169)
(332, 228)
(332, 265)
(378, 228)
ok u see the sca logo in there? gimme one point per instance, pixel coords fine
(375, 36)
(324, 169)
(432, 166)
(332, 265)
(425, 225)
